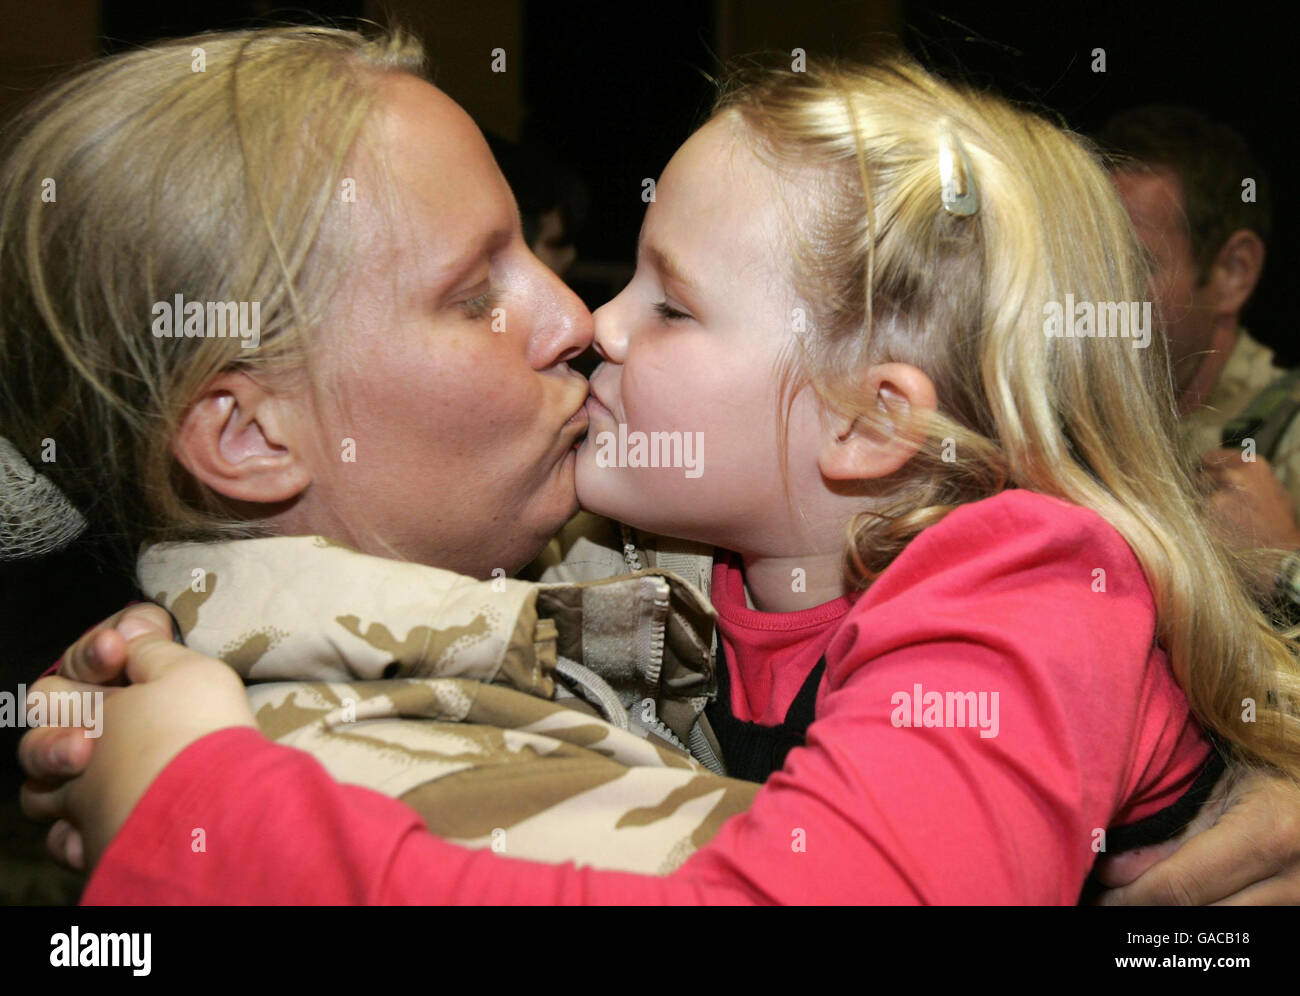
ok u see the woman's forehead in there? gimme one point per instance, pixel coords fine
(423, 129)
(428, 164)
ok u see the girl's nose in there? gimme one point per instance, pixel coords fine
(611, 337)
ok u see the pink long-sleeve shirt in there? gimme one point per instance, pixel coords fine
(1020, 596)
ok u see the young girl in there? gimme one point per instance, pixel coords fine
(844, 282)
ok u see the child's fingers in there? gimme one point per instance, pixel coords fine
(136, 620)
(100, 655)
(97, 657)
(150, 656)
(43, 802)
(53, 754)
(65, 845)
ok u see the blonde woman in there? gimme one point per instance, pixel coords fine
(989, 476)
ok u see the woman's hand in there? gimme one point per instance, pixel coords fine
(177, 696)
(1243, 849)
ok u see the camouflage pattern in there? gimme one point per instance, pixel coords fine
(545, 721)
(1249, 371)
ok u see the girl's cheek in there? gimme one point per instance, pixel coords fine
(657, 384)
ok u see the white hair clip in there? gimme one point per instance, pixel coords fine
(956, 178)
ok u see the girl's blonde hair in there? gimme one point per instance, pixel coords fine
(203, 167)
(887, 274)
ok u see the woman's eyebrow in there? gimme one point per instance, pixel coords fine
(487, 244)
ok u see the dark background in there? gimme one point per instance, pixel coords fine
(612, 89)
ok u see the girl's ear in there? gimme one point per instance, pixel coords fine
(853, 450)
(237, 438)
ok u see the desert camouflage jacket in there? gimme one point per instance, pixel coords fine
(556, 720)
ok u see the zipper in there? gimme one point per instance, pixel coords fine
(599, 693)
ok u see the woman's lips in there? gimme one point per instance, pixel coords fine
(577, 424)
(594, 407)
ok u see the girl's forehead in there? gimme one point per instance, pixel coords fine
(717, 167)
(721, 214)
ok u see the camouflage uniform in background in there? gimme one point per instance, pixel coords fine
(543, 720)
(1249, 372)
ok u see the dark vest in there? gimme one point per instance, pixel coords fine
(750, 751)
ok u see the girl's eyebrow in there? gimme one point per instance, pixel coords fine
(667, 264)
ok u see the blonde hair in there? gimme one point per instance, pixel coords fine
(887, 274)
(205, 167)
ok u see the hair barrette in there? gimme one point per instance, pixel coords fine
(956, 178)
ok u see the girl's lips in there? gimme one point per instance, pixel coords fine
(594, 407)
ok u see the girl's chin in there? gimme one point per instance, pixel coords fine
(604, 491)
(592, 485)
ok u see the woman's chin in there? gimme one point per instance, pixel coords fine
(565, 502)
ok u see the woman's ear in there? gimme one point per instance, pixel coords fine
(237, 439)
(852, 449)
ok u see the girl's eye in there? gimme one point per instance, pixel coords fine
(669, 313)
(481, 306)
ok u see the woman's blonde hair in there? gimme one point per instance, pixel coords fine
(888, 274)
(203, 167)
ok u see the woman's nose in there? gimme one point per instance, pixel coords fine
(569, 332)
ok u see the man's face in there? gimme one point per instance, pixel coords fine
(444, 357)
(1154, 200)
(553, 246)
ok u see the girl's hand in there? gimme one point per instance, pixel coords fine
(53, 755)
(1243, 849)
(177, 696)
(99, 657)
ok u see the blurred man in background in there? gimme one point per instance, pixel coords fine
(1200, 204)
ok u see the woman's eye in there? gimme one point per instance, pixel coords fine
(669, 313)
(481, 306)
